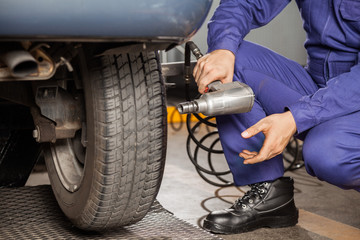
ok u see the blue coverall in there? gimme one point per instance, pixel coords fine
(323, 97)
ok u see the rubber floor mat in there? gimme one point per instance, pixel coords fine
(33, 213)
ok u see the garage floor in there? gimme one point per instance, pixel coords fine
(326, 212)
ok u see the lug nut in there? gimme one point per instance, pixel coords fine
(36, 134)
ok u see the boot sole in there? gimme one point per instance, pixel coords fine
(271, 222)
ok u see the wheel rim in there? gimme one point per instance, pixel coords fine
(68, 161)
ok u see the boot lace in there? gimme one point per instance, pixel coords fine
(256, 193)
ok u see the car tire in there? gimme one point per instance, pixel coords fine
(110, 176)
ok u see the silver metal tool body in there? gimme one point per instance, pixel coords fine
(222, 99)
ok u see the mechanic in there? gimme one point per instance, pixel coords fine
(319, 105)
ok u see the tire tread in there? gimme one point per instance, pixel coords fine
(130, 108)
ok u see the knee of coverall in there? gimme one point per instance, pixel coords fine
(326, 159)
(249, 56)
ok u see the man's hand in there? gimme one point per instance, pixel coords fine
(278, 130)
(217, 65)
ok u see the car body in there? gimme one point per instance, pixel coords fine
(110, 20)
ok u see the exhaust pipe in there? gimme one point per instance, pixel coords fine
(19, 61)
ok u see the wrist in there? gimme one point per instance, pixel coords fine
(291, 121)
(225, 52)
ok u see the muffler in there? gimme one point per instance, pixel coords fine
(19, 61)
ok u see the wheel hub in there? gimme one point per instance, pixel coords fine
(69, 162)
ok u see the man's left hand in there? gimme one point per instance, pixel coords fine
(278, 130)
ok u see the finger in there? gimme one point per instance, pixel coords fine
(206, 78)
(260, 126)
(255, 159)
(201, 76)
(198, 69)
(246, 156)
(248, 133)
(265, 153)
(202, 84)
(248, 152)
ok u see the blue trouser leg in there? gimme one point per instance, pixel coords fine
(331, 149)
(276, 82)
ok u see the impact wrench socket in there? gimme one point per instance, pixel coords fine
(221, 99)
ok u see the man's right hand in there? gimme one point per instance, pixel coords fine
(217, 65)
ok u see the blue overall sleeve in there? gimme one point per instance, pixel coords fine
(341, 96)
(336, 41)
(233, 20)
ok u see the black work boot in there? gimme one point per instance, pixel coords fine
(267, 204)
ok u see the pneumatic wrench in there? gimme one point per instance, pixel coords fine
(220, 98)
